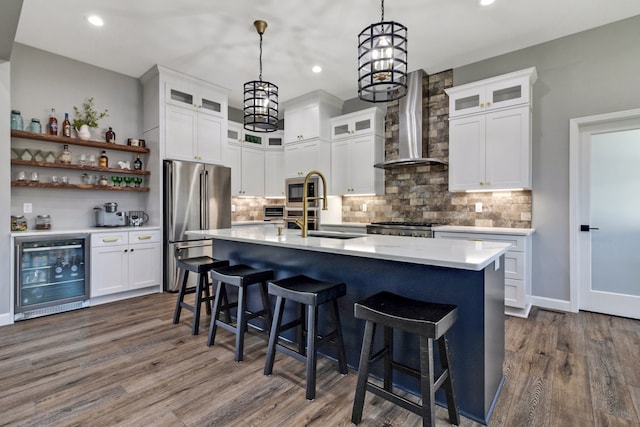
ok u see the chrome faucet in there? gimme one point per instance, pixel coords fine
(304, 224)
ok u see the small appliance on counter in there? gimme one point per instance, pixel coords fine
(109, 216)
(138, 218)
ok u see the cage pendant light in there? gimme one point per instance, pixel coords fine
(382, 61)
(260, 98)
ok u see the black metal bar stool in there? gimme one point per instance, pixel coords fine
(200, 265)
(427, 320)
(310, 294)
(240, 276)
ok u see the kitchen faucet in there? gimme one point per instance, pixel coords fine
(304, 224)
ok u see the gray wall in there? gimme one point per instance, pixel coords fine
(41, 80)
(593, 72)
(5, 193)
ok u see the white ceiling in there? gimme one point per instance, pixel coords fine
(215, 39)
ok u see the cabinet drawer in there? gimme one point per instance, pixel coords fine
(518, 243)
(514, 293)
(514, 267)
(109, 239)
(144, 236)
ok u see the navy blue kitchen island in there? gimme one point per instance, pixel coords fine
(468, 274)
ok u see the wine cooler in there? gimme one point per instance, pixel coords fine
(51, 274)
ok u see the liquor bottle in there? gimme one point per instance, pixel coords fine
(66, 126)
(53, 123)
(110, 136)
(137, 163)
(65, 157)
(74, 267)
(104, 160)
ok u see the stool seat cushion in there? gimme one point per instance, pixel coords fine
(427, 319)
(200, 264)
(306, 290)
(241, 275)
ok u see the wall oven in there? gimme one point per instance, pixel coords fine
(295, 192)
(291, 215)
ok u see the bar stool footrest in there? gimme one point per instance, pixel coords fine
(394, 398)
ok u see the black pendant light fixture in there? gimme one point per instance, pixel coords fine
(382, 61)
(260, 98)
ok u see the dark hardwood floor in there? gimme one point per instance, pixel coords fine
(126, 364)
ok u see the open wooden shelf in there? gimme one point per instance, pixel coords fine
(30, 184)
(77, 141)
(77, 167)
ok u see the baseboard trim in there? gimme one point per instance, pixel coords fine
(6, 319)
(551, 303)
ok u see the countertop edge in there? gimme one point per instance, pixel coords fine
(31, 233)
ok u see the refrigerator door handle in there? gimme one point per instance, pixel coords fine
(206, 200)
(202, 212)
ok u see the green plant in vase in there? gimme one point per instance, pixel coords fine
(87, 118)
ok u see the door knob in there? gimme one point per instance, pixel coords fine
(585, 227)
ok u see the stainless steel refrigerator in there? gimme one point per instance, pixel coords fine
(196, 197)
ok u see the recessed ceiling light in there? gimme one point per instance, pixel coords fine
(95, 20)
(316, 69)
(485, 2)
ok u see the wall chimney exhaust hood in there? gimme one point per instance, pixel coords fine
(410, 141)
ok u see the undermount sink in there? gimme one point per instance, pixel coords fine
(334, 235)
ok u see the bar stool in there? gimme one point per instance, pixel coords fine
(427, 320)
(200, 265)
(240, 276)
(310, 294)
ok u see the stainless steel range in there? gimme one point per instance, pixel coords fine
(396, 228)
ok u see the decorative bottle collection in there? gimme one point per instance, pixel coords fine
(53, 123)
(66, 126)
(65, 157)
(137, 163)
(110, 136)
(104, 160)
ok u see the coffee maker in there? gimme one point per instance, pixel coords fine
(109, 216)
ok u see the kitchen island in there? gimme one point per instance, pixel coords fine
(468, 274)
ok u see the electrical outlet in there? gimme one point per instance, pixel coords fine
(479, 207)
(364, 207)
(233, 208)
(27, 208)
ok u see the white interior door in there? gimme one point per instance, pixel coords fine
(607, 216)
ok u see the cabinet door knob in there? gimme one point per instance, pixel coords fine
(481, 183)
(482, 105)
(488, 103)
(126, 250)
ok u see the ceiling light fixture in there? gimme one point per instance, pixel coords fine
(260, 98)
(486, 2)
(316, 69)
(95, 20)
(382, 61)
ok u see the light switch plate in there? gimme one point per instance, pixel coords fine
(27, 208)
(479, 207)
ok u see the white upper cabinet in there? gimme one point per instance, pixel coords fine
(190, 115)
(274, 172)
(244, 153)
(503, 91)
(490, 145)
(307, 117)
(356, 145)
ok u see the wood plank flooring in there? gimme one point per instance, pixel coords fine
(126, 364)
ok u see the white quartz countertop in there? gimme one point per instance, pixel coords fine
(450, 253)
(54, 231)
(485, 230)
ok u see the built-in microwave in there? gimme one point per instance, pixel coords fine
(294, 188)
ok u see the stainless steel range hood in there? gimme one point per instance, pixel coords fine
(410, 143)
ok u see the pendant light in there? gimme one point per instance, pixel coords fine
(260, 98)
(382, 61)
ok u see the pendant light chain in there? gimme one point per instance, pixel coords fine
(382, 11)
(260, 76)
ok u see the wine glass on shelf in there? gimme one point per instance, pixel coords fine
(138, 181)
(127, 180)
(114, 179)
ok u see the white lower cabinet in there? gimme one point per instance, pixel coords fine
(517, 267)
(124, 260)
